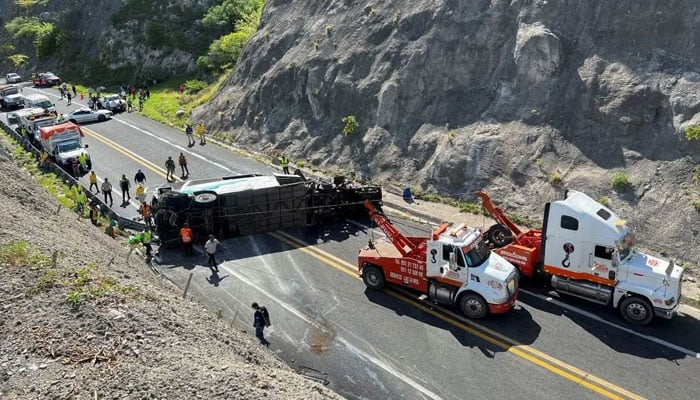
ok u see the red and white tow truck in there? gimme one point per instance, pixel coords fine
(454, 266)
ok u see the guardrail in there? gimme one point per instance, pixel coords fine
(105, 210)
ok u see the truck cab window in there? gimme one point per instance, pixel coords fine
(569, 223)
(603, 252)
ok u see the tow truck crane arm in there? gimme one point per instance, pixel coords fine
(402, 243)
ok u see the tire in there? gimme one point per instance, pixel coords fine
(73, 121)
(499, 235)
(101, 118)
(473, 306)
(373, 277)
(636, 310)
(205, 197)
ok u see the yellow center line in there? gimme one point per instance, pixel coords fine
(512, 346)
(128, 153)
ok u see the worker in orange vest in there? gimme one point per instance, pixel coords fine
(145, 210)
(187, 239)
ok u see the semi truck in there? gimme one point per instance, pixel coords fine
(62, 142)
(254, 203)
(587, 251)
(453, 266)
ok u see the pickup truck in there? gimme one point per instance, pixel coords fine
(10, 97)
(46, 79)
(112, 102)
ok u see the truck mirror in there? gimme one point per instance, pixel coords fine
(453, 261)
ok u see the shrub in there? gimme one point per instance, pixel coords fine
(18, 60)
(195, 86)
(619, 180)
(605, 200)
(696, 203)
(350, 125)
(555, 178)
(692, 132)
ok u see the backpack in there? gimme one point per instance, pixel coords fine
(266, 316)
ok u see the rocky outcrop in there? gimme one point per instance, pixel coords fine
(510, 96)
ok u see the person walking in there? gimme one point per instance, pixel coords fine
(210, 248)
(140, 177)
(129, 105)
(75, 166)
(140, 104)
(284, 162)
(202, 133)
(93, 181)
(75, 92)
(183, 165)
(170, 169)
(260, 321)
(186, 238)
(124, 185)
(94, 212)
(107, 191)
(69, 96)
(190, 135)
(140, 193)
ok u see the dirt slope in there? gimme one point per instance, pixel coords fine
(132, 336)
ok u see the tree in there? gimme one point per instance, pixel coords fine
(18, 60)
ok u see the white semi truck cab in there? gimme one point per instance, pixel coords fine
(589, 251)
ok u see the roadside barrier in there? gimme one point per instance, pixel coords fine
(105, 210)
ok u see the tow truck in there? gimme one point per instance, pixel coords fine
(587, 251)
(454, 267)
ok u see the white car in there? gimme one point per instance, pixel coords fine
(87, 115)
(13, 78)
(112, 102)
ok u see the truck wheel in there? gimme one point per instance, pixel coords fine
(499, 235)
(636, 310)
(205, 197)
(473, 306)
(373, 277)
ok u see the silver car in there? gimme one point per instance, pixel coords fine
(87, 115)
(13, 78)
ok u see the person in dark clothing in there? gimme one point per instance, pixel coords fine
(140, 177)
(124, 185)
(183, 165)
(259, 323)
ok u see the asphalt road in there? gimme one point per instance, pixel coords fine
(392, 344)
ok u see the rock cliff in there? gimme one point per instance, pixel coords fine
(523, 98)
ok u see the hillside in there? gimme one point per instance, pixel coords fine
(92, 324)
(522, 98)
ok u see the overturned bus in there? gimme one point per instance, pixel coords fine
(249, 204)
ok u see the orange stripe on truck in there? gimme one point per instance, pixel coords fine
(578, 275)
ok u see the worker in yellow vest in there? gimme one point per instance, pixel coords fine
(93, 182)
(284, 162)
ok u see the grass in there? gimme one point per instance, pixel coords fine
(20, 254)
(604, 200)
(619, 180)
(87, 284)
(555, 178)
(696, 204)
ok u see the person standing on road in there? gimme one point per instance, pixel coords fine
(75, 92)
(284, 162)
(169, 169)
(146, 241)
(190, 135)
(129, 105)
(69, 96)
(260, 321)
(93, 181)
(140, 104)
(124, 185)
(183, 165)
(187, 239)
(75, 165)
(145, 211)
(202, 133)
(210, 248)
(140, 177)
(107, 191)
(82, 159)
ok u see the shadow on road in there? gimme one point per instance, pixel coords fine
(517, 325)
(682, 330)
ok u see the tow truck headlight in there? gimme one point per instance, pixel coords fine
(670, 301)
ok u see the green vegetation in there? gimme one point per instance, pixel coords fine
(604, 200)
(47, 38)
(18, 60)
(51, 182)
(166, 99)
(350, 125)
(20, 254)
(555, 178)
(243, 17)
(88, 284)
(619, 180)
(692, 132)
(696, 204)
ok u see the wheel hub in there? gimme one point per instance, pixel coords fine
(636, 311)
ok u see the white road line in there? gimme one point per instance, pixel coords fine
(379, 363)
(177, 146)
(586, 314)
(622, 328)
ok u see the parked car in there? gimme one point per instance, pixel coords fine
(44, 79)
(13, 78)
(112, 102)
(82, 115)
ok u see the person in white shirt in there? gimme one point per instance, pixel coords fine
(210, 248)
